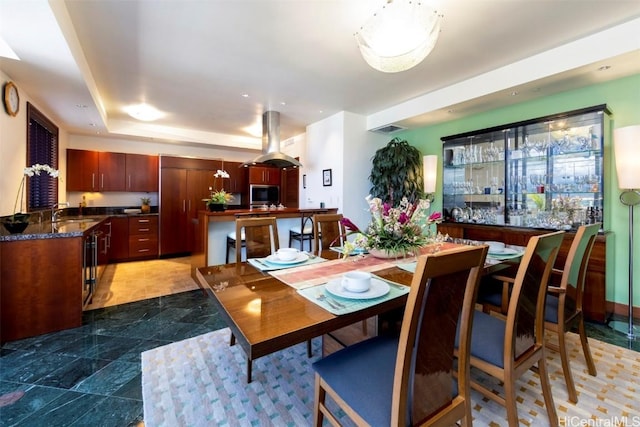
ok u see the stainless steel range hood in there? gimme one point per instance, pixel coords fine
(271, 154)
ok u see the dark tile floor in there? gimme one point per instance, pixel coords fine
(91, 376)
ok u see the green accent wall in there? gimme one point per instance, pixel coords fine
(622, 97)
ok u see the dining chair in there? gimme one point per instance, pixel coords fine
(260, 237)
(506, 347)
(231, 237)
(408, 380)
(327, 230)
(564, 302)
(304, 231)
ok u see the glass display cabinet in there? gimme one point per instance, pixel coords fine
(540, 173)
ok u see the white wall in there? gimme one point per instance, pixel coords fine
(13, 150)
(340, 143)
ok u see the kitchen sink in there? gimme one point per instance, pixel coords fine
(63, 221)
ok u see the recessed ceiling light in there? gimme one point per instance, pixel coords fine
(514, 93)
(604, 68)
(144, 112)
(450, 111)
(283, 103)
(245, 95)
(82, 106)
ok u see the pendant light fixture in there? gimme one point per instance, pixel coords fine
(399, 35)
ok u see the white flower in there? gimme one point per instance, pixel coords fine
(221, 174)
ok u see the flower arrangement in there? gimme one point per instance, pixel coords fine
(396, 231)
(219, 196)
(36, 169)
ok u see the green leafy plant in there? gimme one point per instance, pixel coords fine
(146, 200)
(397, 172)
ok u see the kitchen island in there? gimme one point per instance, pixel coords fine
(213, 228)
(41, 277)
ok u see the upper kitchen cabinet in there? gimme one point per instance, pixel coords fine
(82, 170)
(141, 173)
(264, 175)
(104, 171)
(542, 173)
(111, 168)
(95, 171)
(237, 177)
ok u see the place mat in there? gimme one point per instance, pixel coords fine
(307, 276)
(338, 305)
(263, 265)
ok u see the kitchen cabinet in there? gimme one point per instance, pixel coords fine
(143, 236)
(184, 182)
(594, 300)
(82, 170)
(141, 172)
(119, 239)
(237, 177)
(264, 175)
(105, 171)
(40, 286)
(540, 173)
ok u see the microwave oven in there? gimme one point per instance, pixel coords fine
(264, 195)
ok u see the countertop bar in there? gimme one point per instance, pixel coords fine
(211, 234)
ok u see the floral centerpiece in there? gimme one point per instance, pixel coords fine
(393, 232)
(19, 220)
(219, 198)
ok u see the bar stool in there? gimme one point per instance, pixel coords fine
(304, 232)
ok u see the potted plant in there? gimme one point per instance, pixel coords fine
(19, 221)
(146, 204)
(218, 200)
(397, 173)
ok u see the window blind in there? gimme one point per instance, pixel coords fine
(42, 148)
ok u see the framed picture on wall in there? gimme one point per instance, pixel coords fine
(326, 177)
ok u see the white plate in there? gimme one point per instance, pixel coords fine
(378, 288)
(273, 259)
(504, 251)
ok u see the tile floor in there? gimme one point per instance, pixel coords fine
(91, 376)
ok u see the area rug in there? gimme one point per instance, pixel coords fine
(201, 382)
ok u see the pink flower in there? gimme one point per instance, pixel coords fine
(403, 218)
(436, 216)
(349, 226)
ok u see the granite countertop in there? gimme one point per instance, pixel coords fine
(67, 226)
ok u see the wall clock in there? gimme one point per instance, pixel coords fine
(11, 99)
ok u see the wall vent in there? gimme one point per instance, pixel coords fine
(387, 129)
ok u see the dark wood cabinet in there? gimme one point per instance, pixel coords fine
(237, 177)
(173, 211)
(105, 171)
(119, 239)
(111, 167)
(39, 297)
(264, 175)
(143, 237)
(82, 170)
(184, 182)
(141, 173)
(594, 300)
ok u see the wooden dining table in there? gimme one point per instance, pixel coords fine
(266, 312)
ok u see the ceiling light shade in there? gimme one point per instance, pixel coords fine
(399, 35)
(144, 112)
(430, 165)
(626, 145)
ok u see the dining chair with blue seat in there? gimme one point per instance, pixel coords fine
(408, 380)
(507, 347)
(563, 309)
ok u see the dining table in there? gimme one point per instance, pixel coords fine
(269, 306)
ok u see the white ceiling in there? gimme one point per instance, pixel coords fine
(194, 59)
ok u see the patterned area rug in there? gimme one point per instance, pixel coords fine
(201, 382)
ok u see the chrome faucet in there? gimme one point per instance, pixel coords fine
(55, 211)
